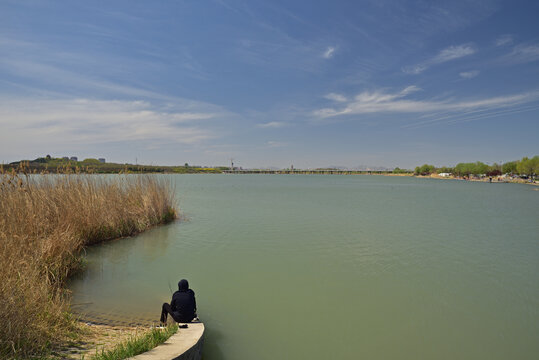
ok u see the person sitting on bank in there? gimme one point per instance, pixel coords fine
(183, 306)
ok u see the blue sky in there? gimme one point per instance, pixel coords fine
(270, 83)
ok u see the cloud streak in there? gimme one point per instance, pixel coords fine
(45, 74)
(380, 102)
(275, 144)
(273, 125)
(523, 53)
(448, 54)
(87, 121)
(328, 54)
(504, 40)
(469, 74)
(336, 97)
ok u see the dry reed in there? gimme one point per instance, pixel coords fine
(45, 221)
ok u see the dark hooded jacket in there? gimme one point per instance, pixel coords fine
(183, 302)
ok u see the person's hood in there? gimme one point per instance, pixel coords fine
(183, 285)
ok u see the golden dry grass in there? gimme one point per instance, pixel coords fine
(45, 221)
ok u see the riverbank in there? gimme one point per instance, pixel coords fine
(494, 179)
(94, 166)
(96, 338)
(100, 342)
(45, 223)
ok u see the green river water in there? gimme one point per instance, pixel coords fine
(335, 267)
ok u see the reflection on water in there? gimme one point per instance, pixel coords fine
(335, 267)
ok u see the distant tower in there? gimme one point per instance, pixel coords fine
(231, 164)
(292, 167)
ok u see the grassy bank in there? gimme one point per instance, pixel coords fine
(45, 221)
(137, 345)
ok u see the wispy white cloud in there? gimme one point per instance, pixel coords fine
(504, 40)
(274, 144)
(281, 51)
(88, 121)
(380, 102)
(469, 74)
(335, 97)
(274, 46)
(46, 74)
(445, 55)
(472, 115)
(84, 74)
(523, 53)
(409, 89)
(415, 69)
(273, 125)
(452, 53)
(328, 54)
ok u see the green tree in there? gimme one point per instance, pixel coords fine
(445, 169)
(461, 169)
(535, 164)
(528, 166)
(524, 166)
(480, 168)
(424, 169)
(466, 169)
(398, 170)
(509, 167)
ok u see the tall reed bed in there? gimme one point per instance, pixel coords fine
(45, 221)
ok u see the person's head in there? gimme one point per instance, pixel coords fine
(183, 285)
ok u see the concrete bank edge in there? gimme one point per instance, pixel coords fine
(186, 344)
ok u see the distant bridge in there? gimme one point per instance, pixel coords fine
(309, 172)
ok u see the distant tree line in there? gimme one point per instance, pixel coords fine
(50, 164)
(398, 170)
(524, 167)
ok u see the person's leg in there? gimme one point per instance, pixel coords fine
(164, 312)
(176, 316)
(183, 319)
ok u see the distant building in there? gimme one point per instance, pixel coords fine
(65, 158)
(101, 160)
(74, 158)
(444, 174)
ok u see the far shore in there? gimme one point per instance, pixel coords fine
(495, 179)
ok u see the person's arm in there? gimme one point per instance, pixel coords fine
(195, 302)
